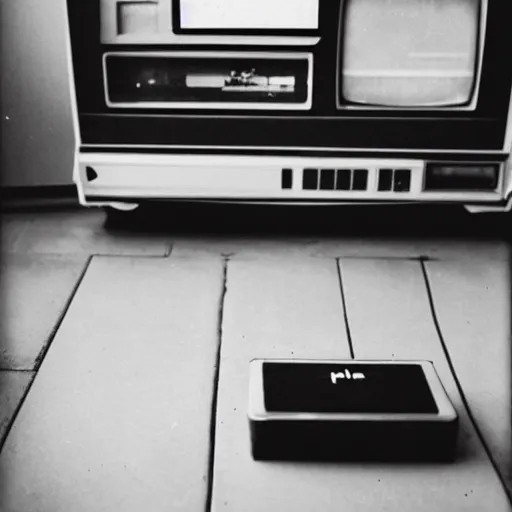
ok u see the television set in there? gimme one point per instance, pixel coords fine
(292, 101)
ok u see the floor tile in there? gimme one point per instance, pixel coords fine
(390, 318)
(273, 309)
(118, 417)
(82, 231)
(11, 228)
(34, 293)
(474, 310)
(13, 386)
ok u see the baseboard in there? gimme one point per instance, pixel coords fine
(14, 198)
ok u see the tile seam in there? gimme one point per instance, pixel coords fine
(213, 410)
(40, 357)
(16, 412)
(344, 307)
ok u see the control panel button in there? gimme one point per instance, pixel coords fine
(360, 181)
(310, 179)
(402, 180)
(343, 178)
(385, 180)
(327, 179)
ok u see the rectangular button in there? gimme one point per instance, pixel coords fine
(327, 179)
(385, 179)
(360, 181)
(286, 178)
(402, 180)
(343, 177)
(310, 179)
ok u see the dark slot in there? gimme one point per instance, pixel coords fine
(133, 79)
(286, 178)
(360, 179)
(310, 179)
(327, 179)
(343, 177)
(385, 179)
(452, 177)
(402, 180)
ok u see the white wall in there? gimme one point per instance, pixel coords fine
(36, 125)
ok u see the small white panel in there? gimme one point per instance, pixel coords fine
(137, 17)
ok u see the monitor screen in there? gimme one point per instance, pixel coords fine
(239, 15)
(409, 53)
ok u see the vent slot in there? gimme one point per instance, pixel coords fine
(327, 177)
(343, 179)
(396, 180)
(385, 180)
(402, 180)
(286, 179)
(310, 179)
(335, 179)
(360, 179)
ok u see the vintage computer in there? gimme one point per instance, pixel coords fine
(292, 101)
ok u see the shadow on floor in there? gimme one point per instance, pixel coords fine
(408, 221)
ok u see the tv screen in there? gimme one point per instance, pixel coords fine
(409, 53)
(220, 15)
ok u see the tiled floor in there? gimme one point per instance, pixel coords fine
(124, 359)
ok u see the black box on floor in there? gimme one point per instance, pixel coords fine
(350, 410)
